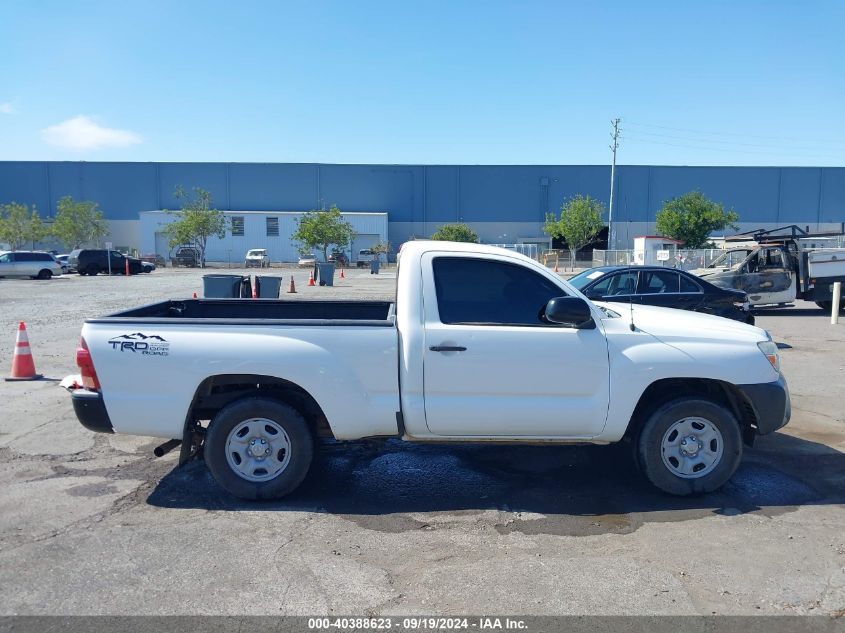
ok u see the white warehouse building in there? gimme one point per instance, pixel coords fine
(271, 230)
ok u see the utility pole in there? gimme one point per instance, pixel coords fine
(614, 135)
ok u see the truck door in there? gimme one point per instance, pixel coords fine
(767, 276)
(492, 367)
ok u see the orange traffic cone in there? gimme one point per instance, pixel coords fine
(342, 276)
(556, 270)
(255, 288)
(195, 295)
(292, 289)
(127, 266)
(311, 279)
(23, 367)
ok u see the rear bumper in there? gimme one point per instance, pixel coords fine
(91, 411)
(771, 404)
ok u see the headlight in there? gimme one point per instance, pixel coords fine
(770, 351)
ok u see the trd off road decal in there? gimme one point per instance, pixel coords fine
(138, 343)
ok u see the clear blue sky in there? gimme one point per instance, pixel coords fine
(695, 83)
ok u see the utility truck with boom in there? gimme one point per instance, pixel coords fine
(481, 345)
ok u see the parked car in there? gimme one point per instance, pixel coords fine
(664, 287)
(62, 259)
(95, 261)
(34, 264)
(155, 259)
(257, 257)
(339, 258)
(483, 345)
(365, 256)
(307, 261)
(186, 256)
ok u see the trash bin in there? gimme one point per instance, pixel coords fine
(267, 287)
(374, 267)
(326, 273)
(222, 286)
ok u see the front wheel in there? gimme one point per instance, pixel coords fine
(258, 448)
(690, 446)
(828, 305)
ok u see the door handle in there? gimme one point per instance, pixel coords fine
(447, 348)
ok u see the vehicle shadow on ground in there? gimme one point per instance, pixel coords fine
(597, 484)
(793, 312)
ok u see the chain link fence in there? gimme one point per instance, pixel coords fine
(683, 259)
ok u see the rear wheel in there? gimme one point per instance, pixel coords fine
(44, 274)
(689, 446)
(258, 448)
(92, 270)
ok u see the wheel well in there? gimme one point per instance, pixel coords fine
(216, 392)
(719, 391)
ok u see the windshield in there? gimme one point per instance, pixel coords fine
(729, 259)
(256, 253)
(583, 278)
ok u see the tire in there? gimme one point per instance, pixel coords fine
(44, 274)
(296, 440)
(658, 451)
(828, 305)
(92, 270)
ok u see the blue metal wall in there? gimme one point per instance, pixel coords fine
(437, 193)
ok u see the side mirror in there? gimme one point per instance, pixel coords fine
(594, 294)
(570, 312)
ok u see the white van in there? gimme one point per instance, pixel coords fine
(29, 264)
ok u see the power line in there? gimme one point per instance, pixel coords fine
(721, 142)
(731, 150)
(735, 134)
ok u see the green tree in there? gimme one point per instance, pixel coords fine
(579, 223)
(455, 233)
(78, 223)
(321, 229)
(691, 218)
(20, 226)
(197, 221)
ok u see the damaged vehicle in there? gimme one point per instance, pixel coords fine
(777, 269)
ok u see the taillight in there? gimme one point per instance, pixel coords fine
(86, 366)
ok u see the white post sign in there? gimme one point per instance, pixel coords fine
(108, 255)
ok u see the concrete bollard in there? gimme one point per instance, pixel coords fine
(837, 297)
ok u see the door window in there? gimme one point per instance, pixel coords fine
(688, 285)
(483, 291)
(660, 281)
(6, 258)
(624, 283)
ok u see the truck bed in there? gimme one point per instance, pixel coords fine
(259, 312)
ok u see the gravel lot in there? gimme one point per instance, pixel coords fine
(93, 524)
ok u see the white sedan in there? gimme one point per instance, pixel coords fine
(257, 257)
(307, 261)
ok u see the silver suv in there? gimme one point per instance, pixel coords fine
(29, 264)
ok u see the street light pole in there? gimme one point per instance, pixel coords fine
(614, 135)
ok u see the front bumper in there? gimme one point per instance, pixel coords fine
(771, 404)
(91, 411)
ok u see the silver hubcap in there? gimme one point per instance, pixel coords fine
(258, 449)
(692, 447)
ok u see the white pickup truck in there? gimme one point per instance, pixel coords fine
(482, 345)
